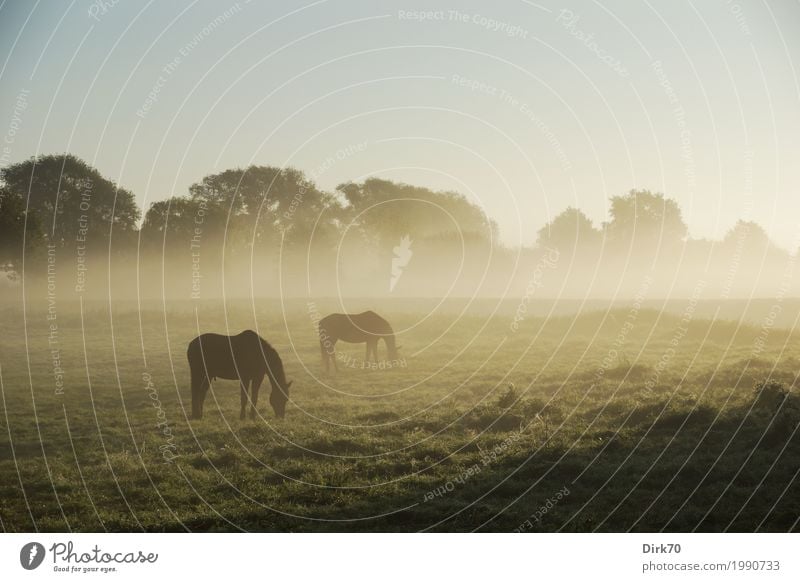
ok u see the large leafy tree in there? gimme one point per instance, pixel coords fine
(642, 220)
(262, 204)
(71, 199)
(178, 226)
(388, 222)
(384, 211)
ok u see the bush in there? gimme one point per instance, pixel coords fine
(769, 394)
(782, 408)
(508, 398)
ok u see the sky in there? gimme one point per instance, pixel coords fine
(524, 107)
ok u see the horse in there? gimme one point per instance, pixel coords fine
(354, 328)
(246, 357)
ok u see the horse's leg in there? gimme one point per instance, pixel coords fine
(203, 392)
(196, 383)
(243, 398)
(199, 396)
(325, 358)
(366, 355)
(254, 390)
(333, 356)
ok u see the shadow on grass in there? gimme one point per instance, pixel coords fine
(675, 467)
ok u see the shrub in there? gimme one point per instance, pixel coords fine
(508, 398)
(769, 394)
(782, 408)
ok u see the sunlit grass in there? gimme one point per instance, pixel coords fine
(363, 449)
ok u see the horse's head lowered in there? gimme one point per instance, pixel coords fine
(279, 397)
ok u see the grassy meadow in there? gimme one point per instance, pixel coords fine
(611, 420)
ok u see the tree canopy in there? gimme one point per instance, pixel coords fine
(384, 211)
(642, 219)
(568, 231)
(260, 212)
(72, 200)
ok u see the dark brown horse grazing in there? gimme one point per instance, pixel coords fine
(246, 357)
(354, 328)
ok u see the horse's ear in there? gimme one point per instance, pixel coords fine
(399, 347)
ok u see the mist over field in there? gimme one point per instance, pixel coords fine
(564, 240)
(266, 232)
(615, 377)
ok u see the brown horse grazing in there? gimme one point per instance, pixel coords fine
(245, 357)
(355, 328)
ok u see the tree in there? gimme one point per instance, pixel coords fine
(386, 222)
(748, 243)
(264, 203)
(175, 224)
(385, 211)
(568, 231)
(748, 235)
(644, 220)
(72, 201)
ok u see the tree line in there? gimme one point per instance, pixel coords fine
(260, 215)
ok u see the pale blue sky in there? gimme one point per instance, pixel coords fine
(295, 83)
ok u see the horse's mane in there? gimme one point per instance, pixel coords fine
(273, 358)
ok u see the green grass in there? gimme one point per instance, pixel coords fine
(363, 450)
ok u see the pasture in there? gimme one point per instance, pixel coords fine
(611, 420)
